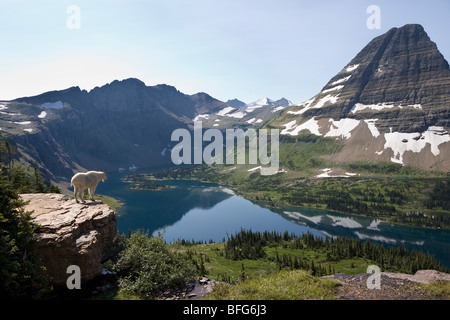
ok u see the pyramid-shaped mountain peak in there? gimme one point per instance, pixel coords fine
(389, 103)
(402, 67)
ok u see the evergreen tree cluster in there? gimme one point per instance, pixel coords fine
(21, 178)
(292, 263)
(250, 245)
(245, 245)
(440, 197)
(20, 274)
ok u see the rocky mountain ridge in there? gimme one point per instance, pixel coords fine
(390, 103)
(112, 126)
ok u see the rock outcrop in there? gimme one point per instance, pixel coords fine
(69, 233)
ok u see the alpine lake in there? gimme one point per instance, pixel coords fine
(198, 211)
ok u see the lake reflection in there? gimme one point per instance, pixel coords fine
(200, 211)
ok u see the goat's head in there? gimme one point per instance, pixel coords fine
(104, 179)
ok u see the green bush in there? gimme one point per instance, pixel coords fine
(147, 266)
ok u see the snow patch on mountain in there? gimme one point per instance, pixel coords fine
(352, 68)
(328, 173)
(328, 98)
(289, 126)
(380, 106)
(293, 129)
(342, 127)
(278, 108)
(345, 79)
(339, 128)
(373, 129)
(42, 115)
(333, 89)
(400, 142)
(306, 106)
(238, 114)
(225, 110)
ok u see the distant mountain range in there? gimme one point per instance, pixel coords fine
(390, 103)
(265, 102)
(118, 125)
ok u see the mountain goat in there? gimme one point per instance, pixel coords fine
(89, 180)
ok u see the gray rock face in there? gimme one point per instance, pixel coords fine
(401, 67)
(112, 126)
(389, 103)
(72, 234)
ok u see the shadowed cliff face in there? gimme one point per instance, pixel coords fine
(401, 67)
(116, 125)
(390, 103)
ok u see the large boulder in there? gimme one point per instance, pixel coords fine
(70, 233)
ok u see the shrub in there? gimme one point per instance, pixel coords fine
(146, 266)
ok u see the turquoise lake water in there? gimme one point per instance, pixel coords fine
(201, 211)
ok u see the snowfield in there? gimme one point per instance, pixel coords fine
(201, 116)
(373, 129)
(352, 68)
(327, 173)
(342, 128)
(42, 115)
(224, 111)
(386, 105)
(333, 89)
(310, 125)
(328, 98)
(289, 126)
(238, 115)
(345, 79)
(278, 108)
(400, 142)
(306, 105)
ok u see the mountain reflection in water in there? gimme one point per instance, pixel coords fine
(201, 211)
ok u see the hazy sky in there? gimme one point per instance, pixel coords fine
(245, 49)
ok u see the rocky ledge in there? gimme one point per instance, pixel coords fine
(70, 233)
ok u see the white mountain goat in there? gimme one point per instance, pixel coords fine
(89, 180)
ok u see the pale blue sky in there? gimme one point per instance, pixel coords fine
(245, 49)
